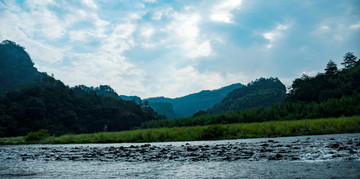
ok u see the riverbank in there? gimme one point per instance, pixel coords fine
(210, 132)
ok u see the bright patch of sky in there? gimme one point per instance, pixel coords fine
(173, 48)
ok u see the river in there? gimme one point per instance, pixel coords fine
(323, 156)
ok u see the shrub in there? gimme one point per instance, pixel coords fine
(37, 136)
(213, 132)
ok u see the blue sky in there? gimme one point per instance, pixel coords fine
(173, 48)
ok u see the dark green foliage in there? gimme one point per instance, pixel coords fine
(259, 93)
(48, 103)
(102, 90)
(189, 104)
(349, 60)
(213, 132)
(331, 68)
(37, 136)
(332, 84)
(131, 98)
(210, 132)
(16, 68)
(344, 106)
(52, 105)
(199, 113)
(163, 109)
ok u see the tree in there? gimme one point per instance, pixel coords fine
(349, 60)
(331, 68)
(146, 103)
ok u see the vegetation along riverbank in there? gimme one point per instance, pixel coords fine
(209, 132)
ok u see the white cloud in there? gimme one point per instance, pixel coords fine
(324, 28)
(185, 26)
(147, 32)
(93, 69)
(273, 35)
(176, 82)
(90, 3)
(160, 12)
(222, 12)
(149, 1)
(355, 26)
(120, 39)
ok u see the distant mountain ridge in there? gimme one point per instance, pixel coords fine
(192, 103)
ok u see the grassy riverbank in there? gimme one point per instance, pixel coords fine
(210, 132)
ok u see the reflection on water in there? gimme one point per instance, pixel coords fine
(326, 156)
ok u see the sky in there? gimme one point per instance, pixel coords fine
(173, 48)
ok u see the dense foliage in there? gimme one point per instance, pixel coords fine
(259, 93)
(331, 94)
(46, 103)
(189, 104)
(333, 83)
(345, 106)
(51, 105)
(163, 108)
(17, 69)
(103, 90)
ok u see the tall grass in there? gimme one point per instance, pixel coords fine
(211, 132)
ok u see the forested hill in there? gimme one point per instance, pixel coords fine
(47, 103)
(334, 83)
(190, 104)
(16, 68)
(259, 93)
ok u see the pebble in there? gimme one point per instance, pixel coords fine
(289, 150)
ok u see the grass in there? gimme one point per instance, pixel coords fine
(209, 132)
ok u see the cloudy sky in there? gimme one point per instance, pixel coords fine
(173, 48)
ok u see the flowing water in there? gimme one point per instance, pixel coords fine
(324, 156)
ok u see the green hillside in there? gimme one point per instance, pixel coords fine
(46, 103)
(259, 93)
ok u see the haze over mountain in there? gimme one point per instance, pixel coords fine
(192, 103)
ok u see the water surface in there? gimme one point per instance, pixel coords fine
(325, 156)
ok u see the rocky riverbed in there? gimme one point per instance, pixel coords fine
(340, 149)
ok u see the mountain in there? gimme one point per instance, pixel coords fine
(259, 93)
(190, 104)
(34, 101)
(16, 68)
(164, 108)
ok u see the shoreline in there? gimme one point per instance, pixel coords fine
(268, 129)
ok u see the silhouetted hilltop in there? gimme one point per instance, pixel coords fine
(259, 93)
(16, 67)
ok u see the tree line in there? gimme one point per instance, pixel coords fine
(51, 105)
(331, 94)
